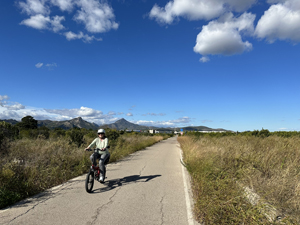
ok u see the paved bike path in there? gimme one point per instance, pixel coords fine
(145, 188)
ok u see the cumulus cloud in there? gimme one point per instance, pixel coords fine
(82, 112)
(42, 22)
(33, 7)
(281, 21)
(86, 38)
(16, 106)
(10, 105)
(2, 100)
(3, 97)
(64, 5)
(17, 111)
(224, 36)
(129, 114)
(197, 9)
(97, 17)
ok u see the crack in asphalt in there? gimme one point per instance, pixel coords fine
(162, 210)
(98, 210)
(52, 194)
(140, 173)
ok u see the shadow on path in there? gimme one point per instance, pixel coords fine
(112, 184)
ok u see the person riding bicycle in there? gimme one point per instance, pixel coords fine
(102, 154)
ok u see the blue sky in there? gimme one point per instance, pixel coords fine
(231, 64)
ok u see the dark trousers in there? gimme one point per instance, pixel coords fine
(103, 160)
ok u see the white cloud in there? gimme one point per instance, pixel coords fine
(8, 114)
(280, 21)
(82, 111)
(191, 9)
(283, 128)
(85, 38)
(97, 17)
(64, 5)
(197, 9)
(15, 106)
(51, 65)
(39, 65)
(204, 59)
(154, 123)
(9, 105)
(17, 111)
(33, 7)
(183, 121)
(239, 5)
(3, 97)
(42, 22)
(223, 36)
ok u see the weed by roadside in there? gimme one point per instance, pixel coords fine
(269, 166)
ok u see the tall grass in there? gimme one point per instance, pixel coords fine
(31, 166)
(269, 166)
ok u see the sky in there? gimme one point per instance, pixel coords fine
(231, 64)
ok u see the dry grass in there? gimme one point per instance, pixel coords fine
(269, 166)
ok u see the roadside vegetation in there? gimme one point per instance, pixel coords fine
(34, 159)
(223, 164)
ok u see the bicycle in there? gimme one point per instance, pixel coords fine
(93, 174)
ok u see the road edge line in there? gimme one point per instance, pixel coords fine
(187, 191)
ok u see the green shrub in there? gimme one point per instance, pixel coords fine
(76, 136)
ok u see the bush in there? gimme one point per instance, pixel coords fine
(7, 133)
(76, 136)
(112, 134)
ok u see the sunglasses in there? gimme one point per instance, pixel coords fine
(100, 133)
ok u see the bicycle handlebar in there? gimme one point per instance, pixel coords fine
(96, 149)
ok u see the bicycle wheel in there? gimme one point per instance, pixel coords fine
(89, 182)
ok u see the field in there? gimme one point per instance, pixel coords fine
(222, 167)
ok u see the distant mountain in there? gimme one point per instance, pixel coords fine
(123, 124)
(68, 124)
(11, 121)
(201, 128)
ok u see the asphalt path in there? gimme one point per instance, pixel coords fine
(148, 187)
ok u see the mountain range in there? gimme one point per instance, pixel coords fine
(121, 124)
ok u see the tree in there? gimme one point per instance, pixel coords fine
(28, 122)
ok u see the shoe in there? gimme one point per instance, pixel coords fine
(101, 180)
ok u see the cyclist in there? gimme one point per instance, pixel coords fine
(102, 154)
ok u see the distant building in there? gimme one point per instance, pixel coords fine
(129, 131)
(153, 131)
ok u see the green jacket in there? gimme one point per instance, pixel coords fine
(100, 144)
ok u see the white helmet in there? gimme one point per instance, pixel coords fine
(101, 131)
